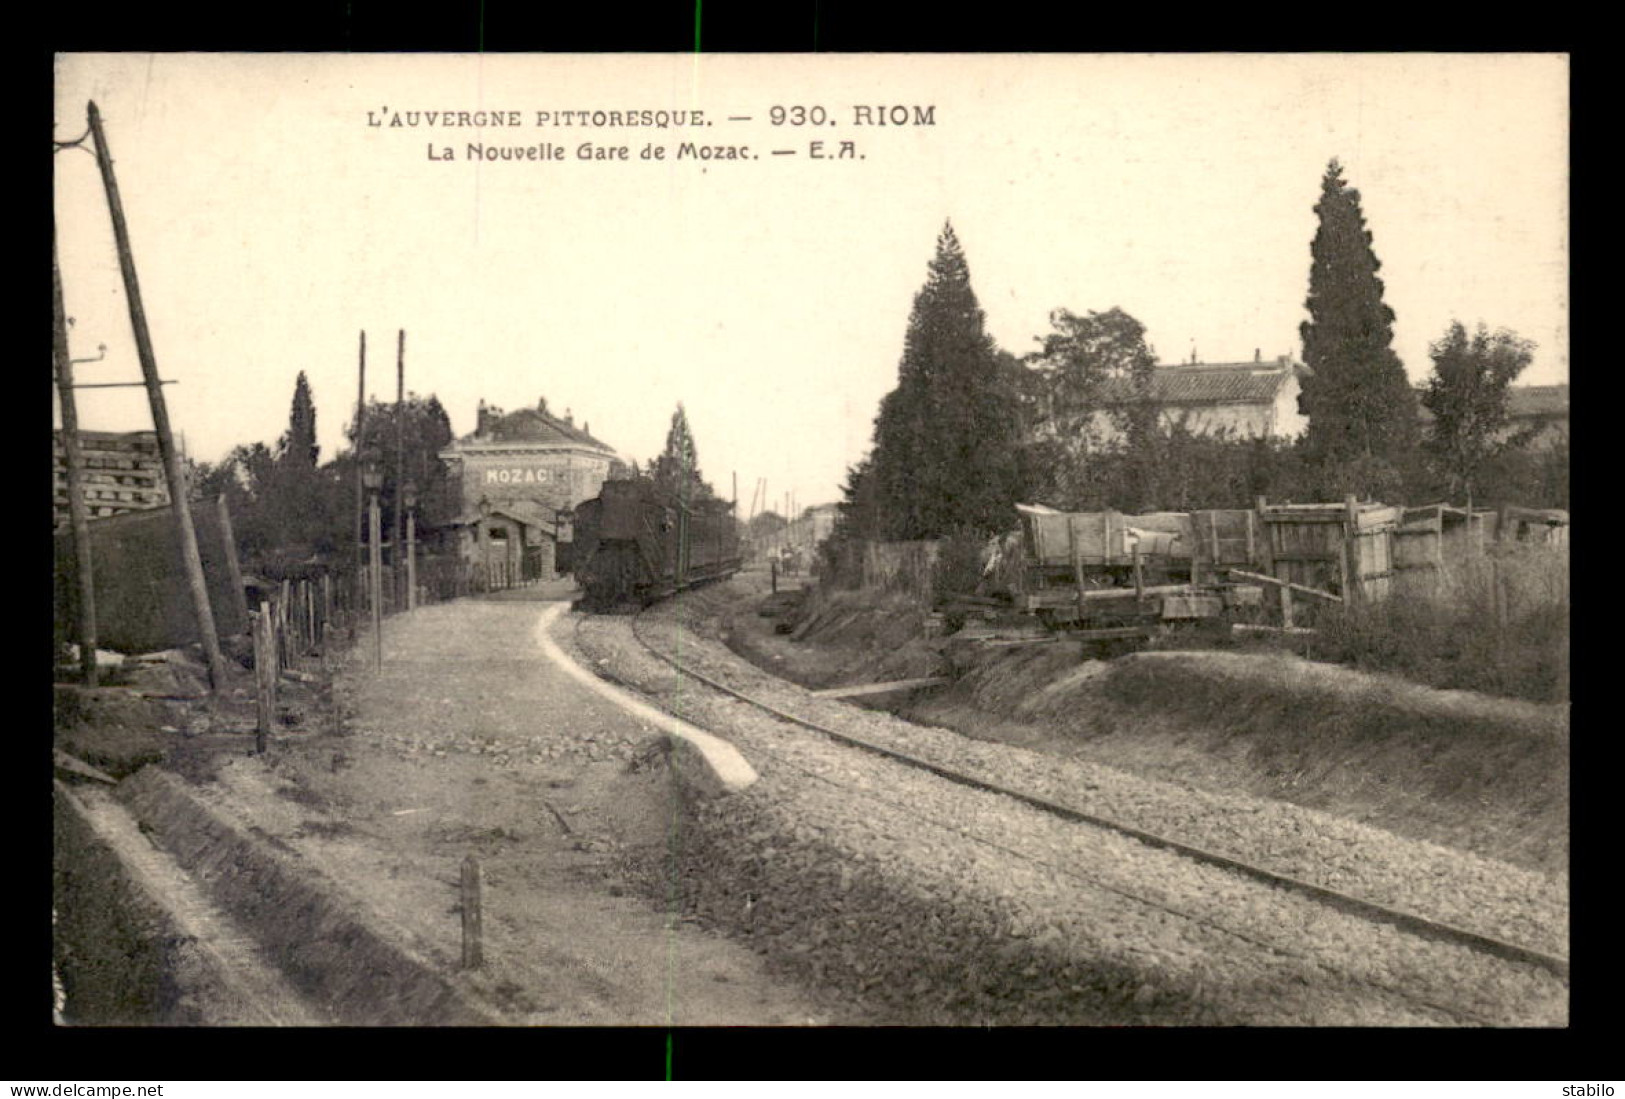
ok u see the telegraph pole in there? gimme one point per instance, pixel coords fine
(78, 513)
(360, 488)
(190, 559)
(400, 459)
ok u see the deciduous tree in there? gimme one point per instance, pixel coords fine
(1467, 395)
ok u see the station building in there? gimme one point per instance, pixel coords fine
(519, 476)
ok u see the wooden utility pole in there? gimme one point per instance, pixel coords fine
(360, 487)
(176, 476)
(78, 513)
(400, 461)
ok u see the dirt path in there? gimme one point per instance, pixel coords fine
(471, 743)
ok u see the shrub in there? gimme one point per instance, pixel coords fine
(1451, 635)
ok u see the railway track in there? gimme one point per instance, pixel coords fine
(1362, 908)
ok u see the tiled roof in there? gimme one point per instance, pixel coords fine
(1210, 383)
(529, 425)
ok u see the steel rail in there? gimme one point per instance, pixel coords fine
(1409, 921)
(1421, 1001)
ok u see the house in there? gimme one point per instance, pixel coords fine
(123, 472)
(1248, 400)
(518, 478)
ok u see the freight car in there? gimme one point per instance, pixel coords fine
(1110, 576)
(635, 543)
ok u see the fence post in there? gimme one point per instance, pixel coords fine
(473, 952)
(284, 619)
(264, 675)
(1498, 585)
(1075, 554)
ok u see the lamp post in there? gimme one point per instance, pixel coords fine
(409, 497)
(372, 480)
(482, 540)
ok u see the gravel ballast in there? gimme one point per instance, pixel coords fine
(951, 905)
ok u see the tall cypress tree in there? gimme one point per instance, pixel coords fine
(1359, 403)
(299, 444)
(945, 450)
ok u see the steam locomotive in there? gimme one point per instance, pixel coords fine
(636, 543)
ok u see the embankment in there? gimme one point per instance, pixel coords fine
(1484, 774)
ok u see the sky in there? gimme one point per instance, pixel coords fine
(276, 210)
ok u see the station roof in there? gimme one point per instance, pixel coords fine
(530, 425)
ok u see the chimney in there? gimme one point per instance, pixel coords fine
(541, 406)
(483, 418)
(586, 428)
(569, 418)
(1258, 355)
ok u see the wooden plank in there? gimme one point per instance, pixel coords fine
(1286, 584)
(1056, 597)
(882, 688)
(1213, 534)
(1112, 633)
(1001, 642)
(74, 766)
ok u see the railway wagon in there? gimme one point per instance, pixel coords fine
(635, 543)
(1116, 576)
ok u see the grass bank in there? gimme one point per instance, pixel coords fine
(1464, 770)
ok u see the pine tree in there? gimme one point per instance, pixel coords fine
(945, 443)
(677, 469)
(1359, 403)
